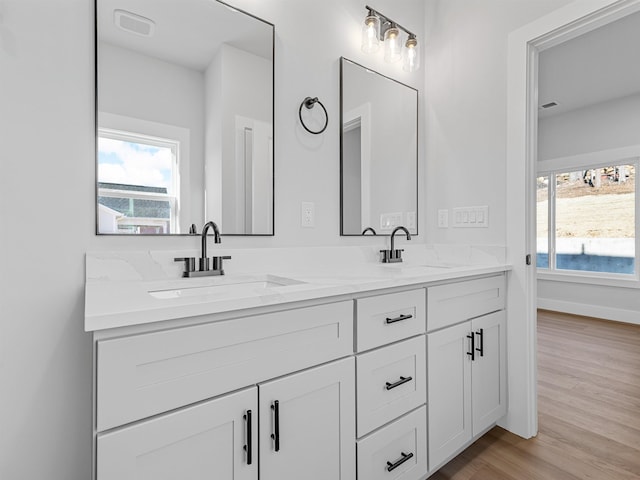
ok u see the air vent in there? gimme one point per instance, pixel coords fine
(132, 23)
(549, 105)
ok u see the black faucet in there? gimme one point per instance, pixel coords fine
(204, 260)
(368, 229)
(392, 255)
(205, 268)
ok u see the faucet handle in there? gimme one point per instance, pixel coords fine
(189, 263)
(217, 262)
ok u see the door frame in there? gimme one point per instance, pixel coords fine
(524, 46)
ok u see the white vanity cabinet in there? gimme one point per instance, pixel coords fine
(466, 362)
(394, 382)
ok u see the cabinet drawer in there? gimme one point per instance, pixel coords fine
(391, 381)
(456, 302)
(389, 318)
(146, 374)
(388, 447)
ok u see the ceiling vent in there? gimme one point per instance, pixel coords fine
(132, 23)
(549, 105)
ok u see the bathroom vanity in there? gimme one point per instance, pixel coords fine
(370, 372)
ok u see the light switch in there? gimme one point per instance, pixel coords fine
(471, 217)
(308, 214)
(443, 218)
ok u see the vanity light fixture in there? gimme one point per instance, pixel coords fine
(379, 28)
(411, 55)
(371, 33)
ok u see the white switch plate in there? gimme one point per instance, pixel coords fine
(308, 214)
(471, 217)
(443, 218)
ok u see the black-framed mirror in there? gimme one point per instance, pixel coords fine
(378, 152)
(184, 118)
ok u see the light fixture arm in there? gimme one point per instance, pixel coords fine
(386, 23)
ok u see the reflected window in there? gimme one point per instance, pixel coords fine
(137, 183)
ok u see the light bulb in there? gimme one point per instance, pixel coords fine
(411, 55)
(371, 34)
(392, 44)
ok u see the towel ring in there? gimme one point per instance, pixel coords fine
(309, 103)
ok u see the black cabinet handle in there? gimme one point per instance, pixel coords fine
(392, 466)
(480, 334)
(276, 425)
(398, 319)
(247, 447)
(472, 353)
(398, 383)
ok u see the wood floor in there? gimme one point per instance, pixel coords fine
(588, 405)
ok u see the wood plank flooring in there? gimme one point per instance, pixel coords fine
(588, 406)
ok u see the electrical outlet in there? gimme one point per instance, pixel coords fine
(308, 214)
(443, 218)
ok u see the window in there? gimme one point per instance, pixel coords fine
(137, 183)
(586, 220)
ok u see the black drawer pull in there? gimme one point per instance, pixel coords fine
(398, 383)
(480, 349)
(247, 447)
(398, 319)
(276, 425)
(392, 466)
(472, 353)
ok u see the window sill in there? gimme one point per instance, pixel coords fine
(593, 278)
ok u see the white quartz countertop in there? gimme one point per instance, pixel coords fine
(144, 287)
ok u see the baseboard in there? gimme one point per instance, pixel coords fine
(597, 311)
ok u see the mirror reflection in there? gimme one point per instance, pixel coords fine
(379, 152)
(184, 118)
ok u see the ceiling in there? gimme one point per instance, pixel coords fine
(595, 67)
(187, 32)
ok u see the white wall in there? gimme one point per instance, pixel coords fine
(604, 126)
(466, 83)
(47, 138)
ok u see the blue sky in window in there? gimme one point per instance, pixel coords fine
(134, 163)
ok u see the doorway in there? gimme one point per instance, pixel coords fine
(525, 45)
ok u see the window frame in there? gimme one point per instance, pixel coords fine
(172, 196)
(550, 168)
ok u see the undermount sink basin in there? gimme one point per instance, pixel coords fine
(425, 266)
(226, 287)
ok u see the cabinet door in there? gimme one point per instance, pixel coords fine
(448, 392)
(489, 375)
(195, 443)
(307, 424)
